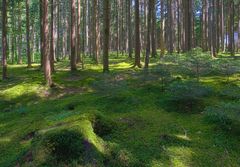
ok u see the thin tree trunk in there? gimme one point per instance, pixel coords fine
(106, 29)
(27, 35)
(149, 23)
(52, 51)
(137, 36)
(4, 40)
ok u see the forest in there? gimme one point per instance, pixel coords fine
(120, 83)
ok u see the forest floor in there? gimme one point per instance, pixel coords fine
(138, 127)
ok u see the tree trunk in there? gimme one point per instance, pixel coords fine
(52, 51)
(73, 35)
(79, 33)
(106, 29)
(27, 35)
(149, 28)
(4, 39)
(137, 36)
(45, 30)
(19, 34)
(96, 32)
(129, 29)
(153, 27)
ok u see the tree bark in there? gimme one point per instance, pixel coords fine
(29, 58)
(46, 57)
(106, 29)
(73, 35)
(4, 39)
(137, 36)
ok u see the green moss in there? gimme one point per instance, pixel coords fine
(145, 133)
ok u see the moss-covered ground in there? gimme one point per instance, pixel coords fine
(144, 129)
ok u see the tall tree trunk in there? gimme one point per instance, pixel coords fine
(129, 29)
(231, 28)
(52, 51)
(41, 31)
(106, 29)
(45, 29)
(96, 31)
(149, 28)
(4, 39)
(19, 34)
(137, 36)
(213, 29)
(170, 27)
(222, 26)
(187, 19)
(73, 35)
(162, 45)
(79, 33)
(153, 27)
(27, 35)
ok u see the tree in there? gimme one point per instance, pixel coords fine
(79, 33)
(231, 28)
(187, 22)
(52, 50)
(96, 46)
(4, 39)
(137, 36)
(19, 33)
(45, 47)
(162, 46)
(129, 3)
(149, 23)
(106, 29)
(27, 35)
(153, 37)
(73, 35)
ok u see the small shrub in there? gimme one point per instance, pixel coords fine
(225, 114)
(231, 92)
(187, 95)
(196, 63)
(65, 145)
(227, 67)
(163, 75)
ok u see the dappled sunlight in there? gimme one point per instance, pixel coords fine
(4, 140)
(20, 90)
(88, 132)
(180, 156)
(184, 137)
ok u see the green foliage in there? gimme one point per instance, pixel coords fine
(163, 75)
(187, 94)
(231, 92)
(137, 130)
(196, 63)
(225, 114)
(227, 67)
